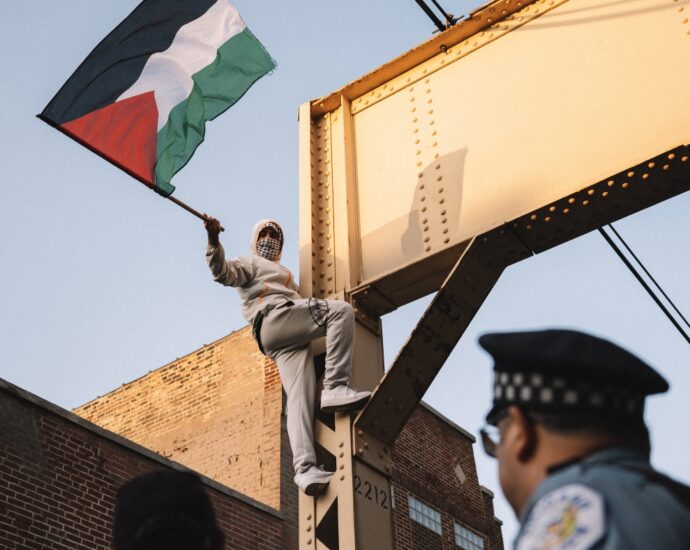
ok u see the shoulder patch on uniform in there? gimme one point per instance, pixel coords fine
(568, 518)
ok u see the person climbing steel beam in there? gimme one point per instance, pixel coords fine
(284, 325)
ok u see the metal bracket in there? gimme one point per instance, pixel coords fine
(372, 451)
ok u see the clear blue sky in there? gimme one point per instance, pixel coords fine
(101, 280)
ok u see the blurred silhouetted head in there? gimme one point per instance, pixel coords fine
(165, 510)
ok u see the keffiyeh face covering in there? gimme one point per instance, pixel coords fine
(269, 247)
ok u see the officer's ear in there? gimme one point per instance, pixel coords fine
(523, 434)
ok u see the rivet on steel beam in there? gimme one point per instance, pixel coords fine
(547, 219)
(308, 528)
(443, 220)
(529, 226)
(308, 517)
(426, 229)
(308, 541)
(426, 249)
(445, 230)
(414, 109)
(605, 194)
(446, 240)
(645, 176)
(552, 208)
(684, 159)
(590, 191)
(422, 198)
(431, 111)
(341, 454)
(340, 444)
(342, 478)
(360, 451)
(441, 200)
(341, 467)
(571, 200)
(533, 217)
(414, 119)
(366, 445)
(360, 433)
(585, 203)
(651, 164)
(665, 167)
(625, 185)
(419, 163)
(566, 210)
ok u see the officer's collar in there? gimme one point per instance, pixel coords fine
(601, 456)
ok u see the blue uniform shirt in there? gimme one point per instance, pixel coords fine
(611, 500)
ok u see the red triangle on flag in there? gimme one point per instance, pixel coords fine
(124, 132)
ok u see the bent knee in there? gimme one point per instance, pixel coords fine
(341, 308)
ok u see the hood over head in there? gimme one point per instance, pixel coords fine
(255, 237)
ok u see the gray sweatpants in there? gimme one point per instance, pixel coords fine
(286, 334)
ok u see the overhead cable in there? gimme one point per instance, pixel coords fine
(644, 284)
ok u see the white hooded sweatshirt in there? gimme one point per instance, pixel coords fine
(262, 284)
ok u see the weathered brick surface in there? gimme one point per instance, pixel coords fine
(59, 475)
(216, 410)
(426, 455)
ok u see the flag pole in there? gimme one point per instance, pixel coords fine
(189, 209)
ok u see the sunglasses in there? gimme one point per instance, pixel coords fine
(269, 232)
(490, 435)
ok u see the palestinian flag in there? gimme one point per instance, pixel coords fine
(141, 99)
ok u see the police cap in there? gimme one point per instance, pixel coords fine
(565, 372)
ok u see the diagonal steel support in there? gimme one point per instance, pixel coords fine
(480, 267)
(438, 331)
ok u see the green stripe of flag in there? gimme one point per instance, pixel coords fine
(240, 62)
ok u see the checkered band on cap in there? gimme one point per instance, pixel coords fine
(539, 392)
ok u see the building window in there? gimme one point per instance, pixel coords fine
(426, 515)
(466, 539)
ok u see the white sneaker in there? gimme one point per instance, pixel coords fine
(343, 398)
(314, 481)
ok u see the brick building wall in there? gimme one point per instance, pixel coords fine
(433, 461)
(216, 410)
(59, 475)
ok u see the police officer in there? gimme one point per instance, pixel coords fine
(573, 450)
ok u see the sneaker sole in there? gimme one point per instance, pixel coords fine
(346, 407)
(315, 489)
